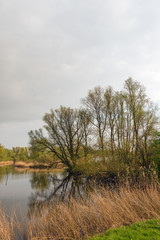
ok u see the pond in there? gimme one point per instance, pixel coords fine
(20, 190)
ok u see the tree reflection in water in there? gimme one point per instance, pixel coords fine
(40, 181)
(50, 188)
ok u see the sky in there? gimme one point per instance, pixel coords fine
(53, 51)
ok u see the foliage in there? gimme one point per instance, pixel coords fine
(89, 166)
(156, 151)
(25, 154)
(41, 156)
(118, 126)
(3, 153)
(65, 133)
(20, 154)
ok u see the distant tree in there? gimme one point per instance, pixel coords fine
(20, 154)
(41, 156)
(3, 154)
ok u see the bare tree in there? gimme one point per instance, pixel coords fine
(143, 120)
(94, 103)
(86, 126)
(110, 105)
(65, 135)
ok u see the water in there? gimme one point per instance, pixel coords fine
(20, 190)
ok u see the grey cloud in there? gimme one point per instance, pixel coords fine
(16, 134)
(53, 52)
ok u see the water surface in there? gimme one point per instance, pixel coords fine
(20, 190)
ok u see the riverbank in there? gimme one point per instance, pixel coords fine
(6, 163)
(29, 165)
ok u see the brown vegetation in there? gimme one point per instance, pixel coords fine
(104, 209)
(5, 163)
(6, 226)
(30, 165)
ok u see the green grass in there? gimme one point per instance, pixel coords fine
(149, 230)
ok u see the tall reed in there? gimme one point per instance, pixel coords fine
(7, 226)
(103, 210)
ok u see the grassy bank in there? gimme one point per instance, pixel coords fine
(147, 230)
(104, 209)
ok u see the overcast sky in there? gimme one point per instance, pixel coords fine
(53, 51)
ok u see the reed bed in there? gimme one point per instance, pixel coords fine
(7, 226)
(102, 210)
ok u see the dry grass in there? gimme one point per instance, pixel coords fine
(103, 210)
(5, 163)
(80, 219)
(7, 225)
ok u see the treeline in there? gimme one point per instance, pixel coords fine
(24, 154)
(111, 128)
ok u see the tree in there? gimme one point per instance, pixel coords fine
(86, 126)
(3, 154)
(122, 123)
(20, 154)
(65, 133)
(110, 105)
(95, 105)
(156, 151)
(143, 120)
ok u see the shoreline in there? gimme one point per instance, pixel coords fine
(30, 165)
(6, 163)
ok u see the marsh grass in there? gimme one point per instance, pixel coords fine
(102, 210)
(7, 226)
